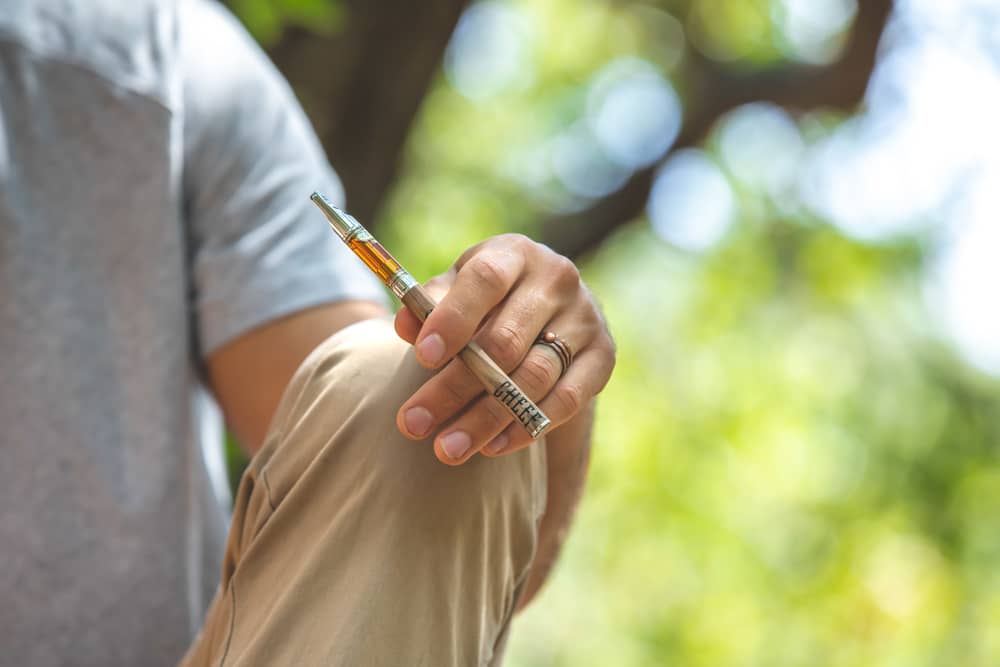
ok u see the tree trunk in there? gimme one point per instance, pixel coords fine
(363, 87)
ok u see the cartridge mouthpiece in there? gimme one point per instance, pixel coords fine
(343, 223)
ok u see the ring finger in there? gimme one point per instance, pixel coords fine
(487, 418)
(585, 379)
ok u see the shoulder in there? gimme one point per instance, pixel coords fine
(223, 68)
(128, 43)
(238, 109)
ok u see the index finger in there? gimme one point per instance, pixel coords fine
(481, 283)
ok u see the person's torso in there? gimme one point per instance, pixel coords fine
(110, 537)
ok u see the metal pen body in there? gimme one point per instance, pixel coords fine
(381, 262)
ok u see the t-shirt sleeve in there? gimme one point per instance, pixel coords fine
(258, 247)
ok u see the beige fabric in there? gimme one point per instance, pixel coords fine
(351, 545)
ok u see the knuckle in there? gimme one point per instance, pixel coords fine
(518, 241)
(604, 343)
(566, 271)
(452, 394)
(570, 398)
(505, 345)
(610, 347)
(489, 273)
(605, 372)
(484, 419)
(494, 417)
(451, 314)
(539, 371)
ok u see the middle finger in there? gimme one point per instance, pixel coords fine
(506, 338)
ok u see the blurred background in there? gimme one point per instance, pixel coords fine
(788, 209)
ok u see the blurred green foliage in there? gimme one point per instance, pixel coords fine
(789, 468)
(265, 19)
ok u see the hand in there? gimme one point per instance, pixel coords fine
(503, 293)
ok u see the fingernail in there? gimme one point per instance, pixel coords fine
(417, 420)
(497, 444)
(431, 349)
(455, 444)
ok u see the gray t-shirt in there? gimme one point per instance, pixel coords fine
(154, 182)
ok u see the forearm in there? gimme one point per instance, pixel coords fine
(249, 374)
(568, 453)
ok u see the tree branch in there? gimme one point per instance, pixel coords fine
(363, 88)
(713, 90)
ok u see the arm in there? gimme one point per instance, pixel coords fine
(268, 279)
(568, 453)
(504, 292)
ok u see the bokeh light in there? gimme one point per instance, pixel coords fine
(931, 106)
(814, 30)
(581, 164)
(490, 51)
(963, 283)
(634, 112)
(761, 147)
(691, 204)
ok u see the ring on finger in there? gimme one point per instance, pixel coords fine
(559, 346)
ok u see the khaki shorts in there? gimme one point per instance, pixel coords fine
(351, 545)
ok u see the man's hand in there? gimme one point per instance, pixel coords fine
(503, 293)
